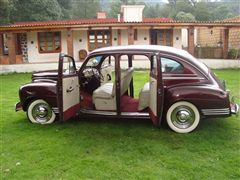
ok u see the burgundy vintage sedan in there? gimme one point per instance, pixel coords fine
(179, 89)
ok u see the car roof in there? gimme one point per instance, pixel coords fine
(151, 48)
(169, 49)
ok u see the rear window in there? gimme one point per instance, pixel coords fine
(171, 66)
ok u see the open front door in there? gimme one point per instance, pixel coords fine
(156, 91)
(68, 88)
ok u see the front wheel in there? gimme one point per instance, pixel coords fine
(183, 117)
(40, 112)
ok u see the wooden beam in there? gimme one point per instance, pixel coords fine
(119, 37)
(1, 44)
(11, 38)
(225, 42)
(191, 40)
(130, 35)
(70, 42)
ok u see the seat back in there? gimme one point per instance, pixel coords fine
(126, 77)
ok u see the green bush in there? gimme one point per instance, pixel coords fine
(234, 53)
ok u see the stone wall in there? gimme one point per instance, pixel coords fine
(24, 47)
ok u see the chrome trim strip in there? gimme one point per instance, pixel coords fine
(105, 113)
(55, 110)
(180, 78)
(224, 111)
(134, 114)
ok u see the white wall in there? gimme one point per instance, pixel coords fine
(33, 53)
(132, 13)
(141, 34)
(124, 37)
(114, 35)
(177, 38)
(79, 42)
(212, 63)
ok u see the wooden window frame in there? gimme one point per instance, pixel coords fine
(95, 38)
(51, 51)
(3, 51)
(135, 35)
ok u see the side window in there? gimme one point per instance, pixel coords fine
(171, 66)
(68, 66)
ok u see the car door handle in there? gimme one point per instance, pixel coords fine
(70, 89)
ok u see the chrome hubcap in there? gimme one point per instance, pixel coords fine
(182, 117)
(42, 112)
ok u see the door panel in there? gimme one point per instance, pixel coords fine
(156, 91)
(71, 97)
(68, 88)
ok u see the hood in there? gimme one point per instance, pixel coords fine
(51, 75)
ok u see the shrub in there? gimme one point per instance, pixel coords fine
(234, 53)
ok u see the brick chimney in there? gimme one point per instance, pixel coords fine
(101, 15)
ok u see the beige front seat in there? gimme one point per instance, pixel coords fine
(104, 97)
(144, 97)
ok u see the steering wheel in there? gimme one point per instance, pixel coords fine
(91, 72)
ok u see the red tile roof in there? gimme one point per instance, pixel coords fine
(85, 21)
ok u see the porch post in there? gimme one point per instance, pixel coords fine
(191, 40)
(130, 35)
(1, 44)
(225, 43)
(70, 42)
(119, 38)
(11, 38)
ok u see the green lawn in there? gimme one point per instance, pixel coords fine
(114, 149)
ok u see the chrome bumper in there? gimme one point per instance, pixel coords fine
(18, 106)
(234, 108)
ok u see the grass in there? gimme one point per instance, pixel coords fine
(114, 149)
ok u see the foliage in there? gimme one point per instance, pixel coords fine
(234, 53)
(115, 149)
(41, 10)
(185, 16)
(4, 12)
(85, 9)
(36, 10)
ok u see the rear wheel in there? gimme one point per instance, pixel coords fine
(40, 112)
(183, 117)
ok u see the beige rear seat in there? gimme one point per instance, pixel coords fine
(144, 97)
(104, 97)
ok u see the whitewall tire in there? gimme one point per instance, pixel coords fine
(40, 112)
(183, 117)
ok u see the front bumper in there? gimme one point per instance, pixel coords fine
(18, 106)
(234, 108)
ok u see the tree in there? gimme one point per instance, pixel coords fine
(35, 10)
(4, 12)
(86, 9)
(202, 11)
(182, 16)
(66, 6)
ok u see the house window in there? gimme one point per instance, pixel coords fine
(5, 44)
(135, 34)
(49, 42)
(99, 38)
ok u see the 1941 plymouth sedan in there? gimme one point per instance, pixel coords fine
(180, 89)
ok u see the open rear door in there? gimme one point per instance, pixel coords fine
(156, 90)
(68, 88)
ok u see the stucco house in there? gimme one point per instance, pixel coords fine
(41, 42)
